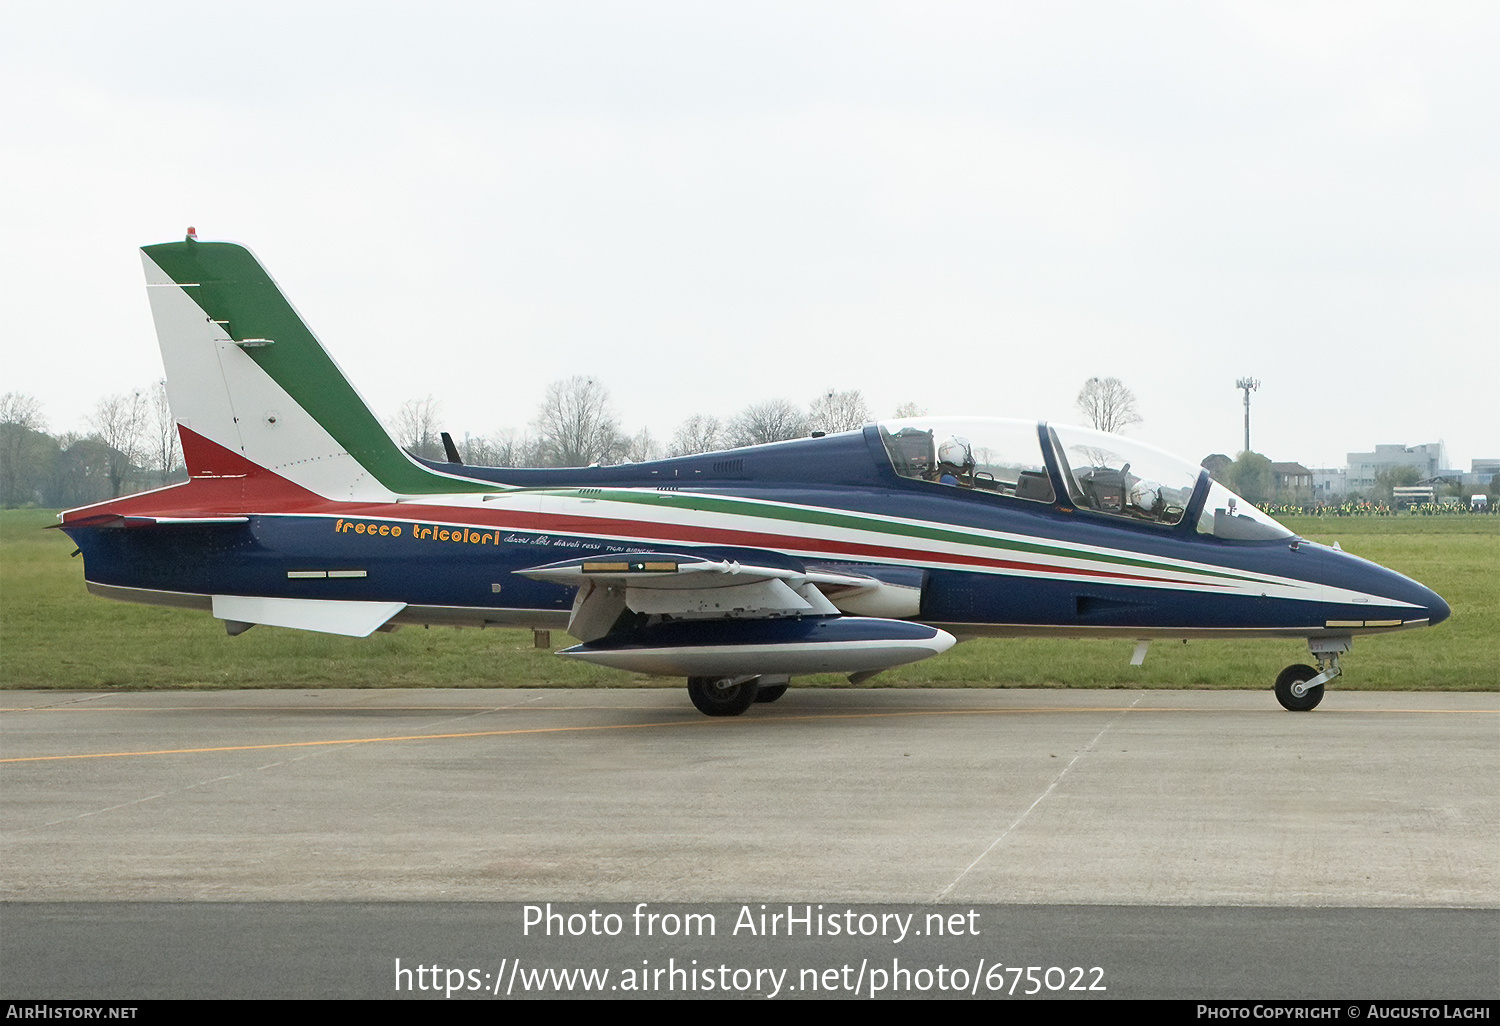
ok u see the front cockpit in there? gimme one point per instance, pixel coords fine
(1092, 472)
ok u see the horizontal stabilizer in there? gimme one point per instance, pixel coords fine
(327, 616)
(119, 520)
(135, 521)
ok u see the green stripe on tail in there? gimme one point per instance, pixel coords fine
(233, 289)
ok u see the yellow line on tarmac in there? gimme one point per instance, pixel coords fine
(699, 721)
(340, 741)
(695, 720)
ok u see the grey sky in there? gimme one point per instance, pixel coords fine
(970, 206)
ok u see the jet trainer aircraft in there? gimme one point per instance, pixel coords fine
(851, 553)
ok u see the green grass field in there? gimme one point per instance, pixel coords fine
(53, 634)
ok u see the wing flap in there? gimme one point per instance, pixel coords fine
(885, 591)
(754, 598)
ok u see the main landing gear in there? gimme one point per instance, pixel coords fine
(770, 692)
(1299, 688)
(723, 696)
(730, 696)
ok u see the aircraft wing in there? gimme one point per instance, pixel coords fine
(728, 617)
(692, 587)
(679, 586)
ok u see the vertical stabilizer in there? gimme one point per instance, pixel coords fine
(245, 372)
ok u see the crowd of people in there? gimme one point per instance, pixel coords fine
(1374, 509)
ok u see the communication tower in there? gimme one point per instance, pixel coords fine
(1248, 385)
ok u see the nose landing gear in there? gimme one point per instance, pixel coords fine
(1299, 688)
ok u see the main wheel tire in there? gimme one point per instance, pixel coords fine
(713, 700)
(1296, 675)
(770, 692)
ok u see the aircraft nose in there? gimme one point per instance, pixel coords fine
(1437, 609)
(1387, 594)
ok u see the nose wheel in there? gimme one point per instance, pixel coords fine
(1292, 689)
(1299, 688)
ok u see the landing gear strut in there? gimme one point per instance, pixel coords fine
(723, 696)
(1299, 688)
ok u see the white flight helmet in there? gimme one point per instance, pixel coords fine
(1145, 494)
(955, 452)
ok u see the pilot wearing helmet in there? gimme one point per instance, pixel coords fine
(955, 460)
(1145, 497)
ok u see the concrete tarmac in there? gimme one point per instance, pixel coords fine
(965, 797)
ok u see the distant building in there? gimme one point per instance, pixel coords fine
(1429, 459)
(1329, 483)
(1295, 482)
(1291, 477)
(1481, 473)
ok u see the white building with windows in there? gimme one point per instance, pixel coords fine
(1328, 483)
(1430, 460)
(1481, 473)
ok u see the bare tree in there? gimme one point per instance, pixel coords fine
(165, 444)
(699, 433)
(910, 410)
(1108, 404)
(120, 423)
(417, 429)
(774, 420)
(502, 449)
(643, 447)
(481, 451)
(22, 454)
(20, 408)
(576, 425)
(838, 411)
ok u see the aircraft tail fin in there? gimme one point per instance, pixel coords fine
(245, 372)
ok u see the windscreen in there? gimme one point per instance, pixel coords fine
(1226, 515)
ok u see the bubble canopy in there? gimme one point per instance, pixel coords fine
(1102, 473)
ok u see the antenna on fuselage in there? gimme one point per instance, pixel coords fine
(450, 450)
